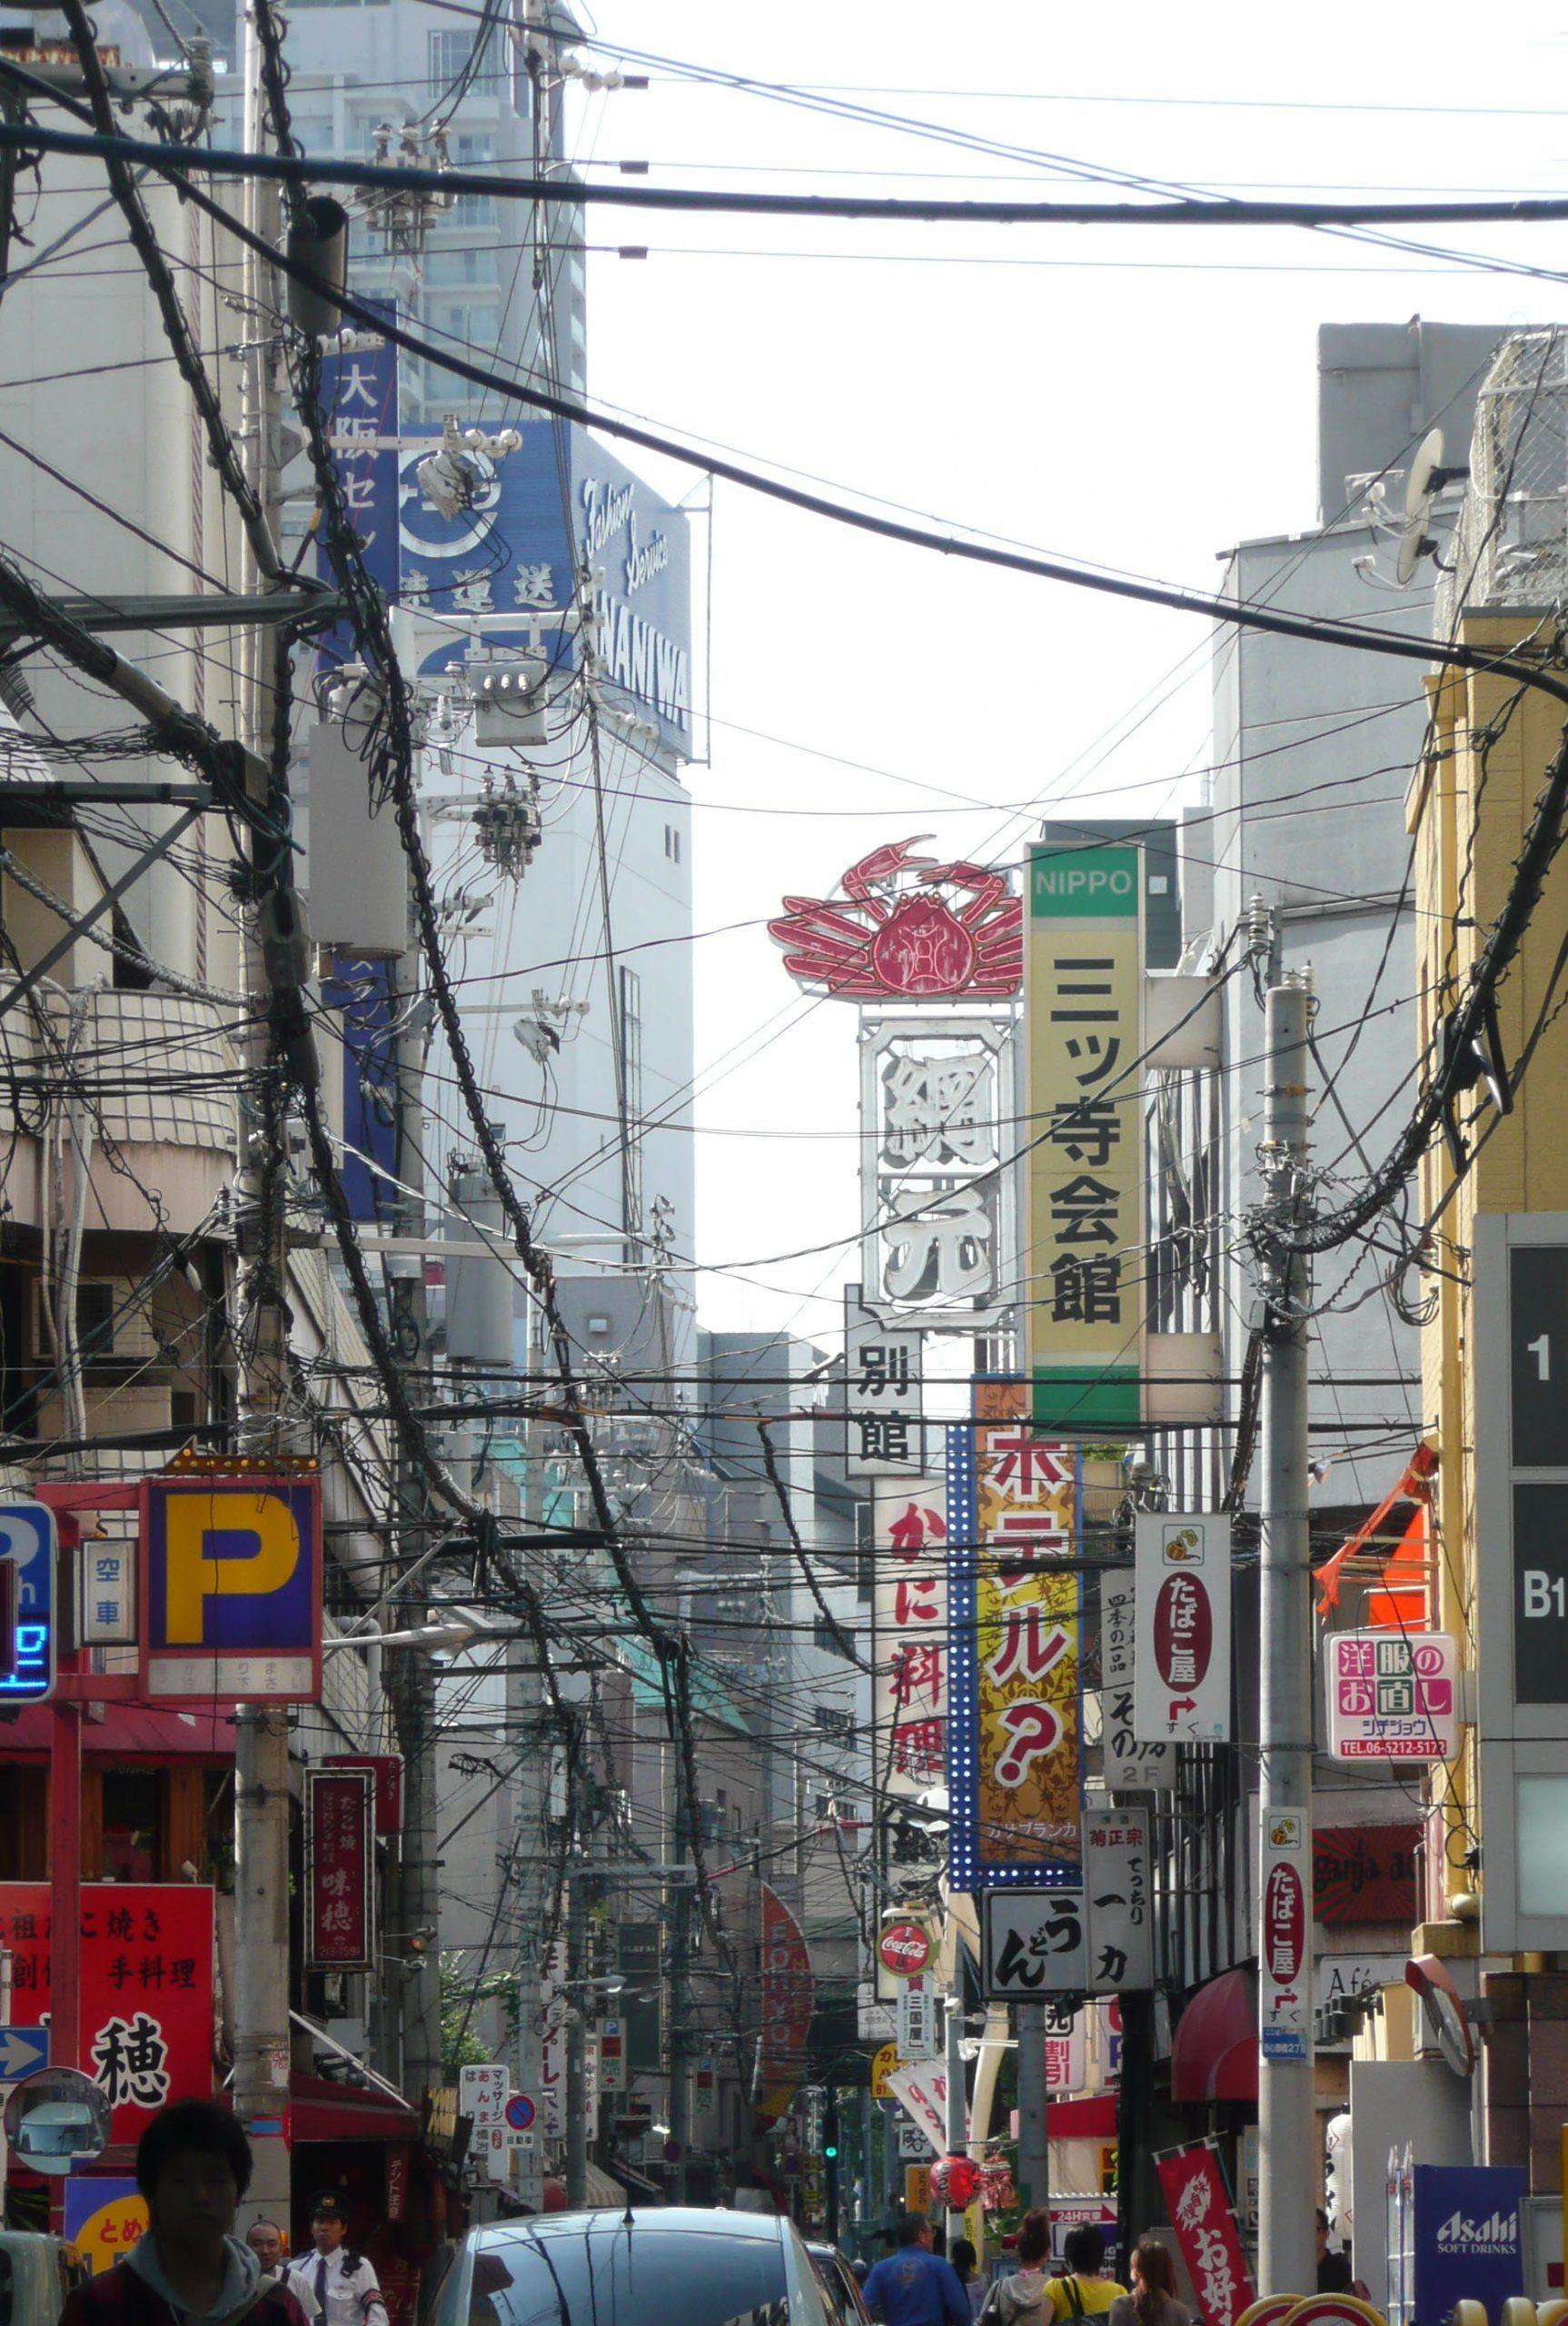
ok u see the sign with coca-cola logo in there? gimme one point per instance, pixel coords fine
(1285, 1970)
(905, 1950)
(1181, 1602)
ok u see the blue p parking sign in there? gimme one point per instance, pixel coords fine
(27, 1554)
(231, 1589)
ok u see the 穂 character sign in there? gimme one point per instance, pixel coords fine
(1084, 1016)
(1181, 1684)
(232, 1589)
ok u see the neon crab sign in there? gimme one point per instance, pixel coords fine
(907, 929)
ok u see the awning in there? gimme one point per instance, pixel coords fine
(599, 2189)
(129, 1731)
(321, 2109)
(1082, 2120)
(1214, 2052)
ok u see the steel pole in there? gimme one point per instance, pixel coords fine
(1287, 2130)
(957, 2126)
(577, 2042)
(1033, 2161)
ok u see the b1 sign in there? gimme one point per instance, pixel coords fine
(1181, 1610)
(230, 1583)
(1393, 1696)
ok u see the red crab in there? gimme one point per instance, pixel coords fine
(888, 943)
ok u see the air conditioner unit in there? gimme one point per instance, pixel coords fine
(113, 1325)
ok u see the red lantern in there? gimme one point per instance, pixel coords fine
(953, 2182)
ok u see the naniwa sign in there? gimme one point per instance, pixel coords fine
(1083, 995)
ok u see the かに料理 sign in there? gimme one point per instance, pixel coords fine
(232, 1589)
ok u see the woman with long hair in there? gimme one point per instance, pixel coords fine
(1153, 2299)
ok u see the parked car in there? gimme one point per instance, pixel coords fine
(667, 2266)
(841, 2285)
(36, 2273)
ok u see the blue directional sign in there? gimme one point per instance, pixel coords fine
(29, 1541)
(23, 2052)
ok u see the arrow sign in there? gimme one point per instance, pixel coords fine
(23, 2052)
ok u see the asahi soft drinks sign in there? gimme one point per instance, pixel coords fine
(1181, 1688)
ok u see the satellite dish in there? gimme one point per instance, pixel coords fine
(1427, 480)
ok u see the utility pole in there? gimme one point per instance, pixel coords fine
(1288, 2140)
(1033, 2161)
(262, 2028)
(680, 1904)
(577, 2005)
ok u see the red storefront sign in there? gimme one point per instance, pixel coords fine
(788, 1995)
(1364, 1874)
(905, 1950)
(339, 1919)
(387, 1770)
(146, 1988)
(1206, 2230)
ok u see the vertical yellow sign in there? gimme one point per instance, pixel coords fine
(1085, 1264)
(916, 2188)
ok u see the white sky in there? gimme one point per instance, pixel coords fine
(1136, 398)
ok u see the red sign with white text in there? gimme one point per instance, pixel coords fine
(147, 1989)
(789, 1993)
(340, 1921)
(1200, 2213)
(905, 1949)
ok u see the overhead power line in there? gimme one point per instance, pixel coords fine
(225, 161)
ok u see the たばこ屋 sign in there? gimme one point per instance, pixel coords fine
(232, 1589)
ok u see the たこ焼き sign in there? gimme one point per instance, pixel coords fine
(231, 1589)
(146, 1988)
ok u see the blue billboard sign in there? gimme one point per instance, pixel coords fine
(1469, 2237)
(559, 506)
(231, 1589)
(28, 1549)
(359, 398)
(361, 995)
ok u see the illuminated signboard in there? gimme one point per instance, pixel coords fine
(231, 1589)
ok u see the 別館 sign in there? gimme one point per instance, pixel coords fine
(231, 1589)
(147, 1989)
(340, 1868)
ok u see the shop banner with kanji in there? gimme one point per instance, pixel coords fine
(1083, 1106)
(1200, 2212)
(1182, 1624)
(789, 1994)
(883, 1389)
(340, 1857)
(146, 1991)
(910, 1638)
(1014, 1760)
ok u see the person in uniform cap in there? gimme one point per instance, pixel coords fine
(344, 2284)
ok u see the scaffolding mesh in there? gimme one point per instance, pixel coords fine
(1510, 547)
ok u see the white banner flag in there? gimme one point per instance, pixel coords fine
(1181, 1688)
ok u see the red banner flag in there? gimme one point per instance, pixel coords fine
(1205, 2225)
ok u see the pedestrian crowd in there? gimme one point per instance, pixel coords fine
(916, 2286)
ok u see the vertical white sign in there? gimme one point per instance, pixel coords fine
(483, 2095)
(1130, 1764)
(917, 2016)
(1285, 1936)
(1066, 2050)
(883, 1389)
(107, 1593)
(909, 1617)
(1117, 1879)
(1181, 1686)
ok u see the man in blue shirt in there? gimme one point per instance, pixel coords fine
(914, 2286)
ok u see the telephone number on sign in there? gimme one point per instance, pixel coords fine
(1386, 1748)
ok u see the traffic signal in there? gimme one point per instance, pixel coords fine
(831, 2137)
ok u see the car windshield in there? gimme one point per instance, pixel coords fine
(611, 2275)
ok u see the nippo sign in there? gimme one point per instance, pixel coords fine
(905, 1950)
(907, 929)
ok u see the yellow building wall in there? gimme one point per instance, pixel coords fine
(1469, 804)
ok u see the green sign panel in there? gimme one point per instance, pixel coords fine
(1083, 883)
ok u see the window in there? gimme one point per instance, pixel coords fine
(473, 151)
(672, 842)
(442, 267)
(449, 53)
